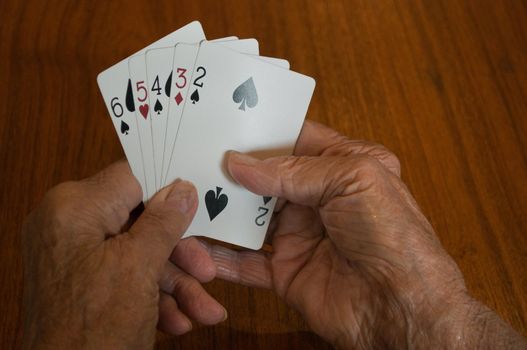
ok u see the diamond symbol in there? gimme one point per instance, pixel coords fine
(178, 98)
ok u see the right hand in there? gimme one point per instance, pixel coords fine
(351, 250)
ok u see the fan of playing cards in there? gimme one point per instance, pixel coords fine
(181, 103)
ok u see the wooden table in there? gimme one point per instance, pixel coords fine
(443, 83)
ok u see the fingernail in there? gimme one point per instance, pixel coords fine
(243, 158)
(226, 314)
(181, 196)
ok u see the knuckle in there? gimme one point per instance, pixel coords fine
(103, 179)
(394, 163)
(372, 149)
(390, 160)
(367, 164)
(386, 157)
(170, 280)
(62, 200)
(103, 197)
(100, 181)
(100, 178)
(184, 287)
(367, 167)
(56, 211)
(183, 284)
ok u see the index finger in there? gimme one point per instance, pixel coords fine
(319, 140)
(315, 138)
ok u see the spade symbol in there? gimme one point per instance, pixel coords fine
(124, 128)
(266, 199)
(130, 105)
(246, 94)
(194, 97)
(215, 202)
(158, 107)
(168, 85)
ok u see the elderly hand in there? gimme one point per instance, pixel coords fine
(353, 252)
(90, 284)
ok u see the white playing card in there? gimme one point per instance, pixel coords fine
(184, 60)
(117, 92)
(138, 76)
(183, 63)
(159, 77)
(247, 105)
(137, 73)
(159, 65)
(280, 62)
(227, 38)
(248, 46)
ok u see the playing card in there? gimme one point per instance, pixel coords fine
(247, 105)
(137, 74)
(227, 38)
(183, 64)
(185, 58)
(159, 77)
(248, 46)
(140, 88)
(280, 62)
(161, 81)
(117, 91)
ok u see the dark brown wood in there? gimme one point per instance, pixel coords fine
(442, 83)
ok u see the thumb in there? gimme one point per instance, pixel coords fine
(309, 181)
(165, 219)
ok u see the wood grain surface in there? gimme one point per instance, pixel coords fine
(442, 83)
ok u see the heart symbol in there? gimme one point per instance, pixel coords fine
(215, 202)
(144, 110)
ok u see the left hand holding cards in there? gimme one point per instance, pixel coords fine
(181, 103)
(89, 283)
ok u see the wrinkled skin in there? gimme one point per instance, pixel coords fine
(88, 284)
(351, 252)
(351, 249)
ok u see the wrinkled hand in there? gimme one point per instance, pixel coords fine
(351, 249)
(89, 284)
